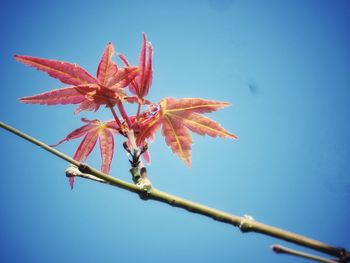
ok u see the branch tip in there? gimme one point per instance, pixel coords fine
(284, 250)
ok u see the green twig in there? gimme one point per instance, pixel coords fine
(246, 223)
(284, 250)
(82, 167)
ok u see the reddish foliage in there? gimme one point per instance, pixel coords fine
(176, 117)
(86, 90)
(92, 131)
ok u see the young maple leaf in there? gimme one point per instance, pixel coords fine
(141, 84)
(93, 130)
(86, 91)
(177, 117)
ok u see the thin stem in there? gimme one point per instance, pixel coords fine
(85, 168)
(138, 112)
(115, 115)
(284, 250)
(39, 143)
(124, 114)
(246, 223)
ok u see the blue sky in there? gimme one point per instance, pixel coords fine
(284, 65)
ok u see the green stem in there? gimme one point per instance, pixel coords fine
(85, 168)
(284, 250)
(246, 223)
(39, 143)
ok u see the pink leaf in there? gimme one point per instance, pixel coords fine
(142, 82)
(106, 68)
(71, 182)
(148, 72)
(58, 96)
(99, 95)
(192, 105)
(74, 134)
(93, 130)
(132, 85)
(142, 59)
(177, 138)
(202, 125)
(122, 78)
(94, 122)
(149, 128)
(177, 118)
(112, 125)
(123, 58)
(86, 146)
(147, 157)
(66, 72)
(107, 149)
(87, 105)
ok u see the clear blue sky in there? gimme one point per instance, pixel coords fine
(284, 65)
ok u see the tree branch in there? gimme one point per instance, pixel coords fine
(245, 223)
(284, 250)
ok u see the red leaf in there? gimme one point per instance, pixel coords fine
(123, 58)
(123, 78)
(178, 138)
(112, 125)
(71, 182)
(107, 149)
(87, 105)
(142, 58)
(66, 72)
(99, 94)
(142, 82)
(177, 117)
(58, 96)
(87, 145)
(92, 131)
(148, 73)
(192, 105)
(106, 68)
(147, 157)
(91, 93)
(75, 134)
(145, 79)
(202, 125)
